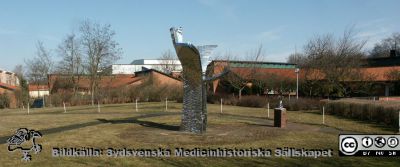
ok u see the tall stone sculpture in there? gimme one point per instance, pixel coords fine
(194, 62)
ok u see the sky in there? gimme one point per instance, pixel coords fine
(236, 26)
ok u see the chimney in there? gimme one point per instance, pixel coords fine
(392, 53)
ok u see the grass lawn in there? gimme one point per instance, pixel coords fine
(120, 126)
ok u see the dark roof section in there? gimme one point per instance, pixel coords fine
(153, 70)
(382, 61)
(258, 64)
(253, 62)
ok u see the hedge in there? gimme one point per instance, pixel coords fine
(366, 110)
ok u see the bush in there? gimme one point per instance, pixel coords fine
(69, 98)
(253, 101)
(56, 99)
(262, 101)
(364, 110)
(226, 99)
(4, 101)
(153, 93)
(295, 104)
(148, 93)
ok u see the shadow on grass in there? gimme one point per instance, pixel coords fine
(266, 125)
(58, 129)
(277, 161)
(142, 123)
(365, 122)
(3, 139)
(239, 116)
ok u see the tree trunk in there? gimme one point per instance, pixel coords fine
(92, 94)
(240, 92)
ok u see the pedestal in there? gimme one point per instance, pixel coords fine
(280, 118)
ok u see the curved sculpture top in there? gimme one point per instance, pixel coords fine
(176, 34)
(189, 57)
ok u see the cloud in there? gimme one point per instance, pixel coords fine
(4, 31)
(371, 23)
(226, 9)
(272, 34)
(208, 2)
(47, 37)
(279, 56)
(374, 31)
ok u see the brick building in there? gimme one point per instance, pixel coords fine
(9, 84)
(250, 71)
(382, 72)
(58, 82)
(37, 91)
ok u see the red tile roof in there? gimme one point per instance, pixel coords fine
(113, 81)
(376, 73)
(247, 72)
(9, 87)
(33, 87)
(380, 73)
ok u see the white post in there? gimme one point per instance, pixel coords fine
(268, 109)
(98, 106)
(323, 114)
(28, 108)
(221, 106)
(166, 104)
(297, 82)
(65, 110)
(44, 104)
(136, 105)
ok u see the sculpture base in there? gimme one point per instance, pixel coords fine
(194, 114)
(280, 117)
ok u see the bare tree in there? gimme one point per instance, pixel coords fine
(255, 55)
(296, 58)
(21, 94)
(40, 66)
(71, 64)
(256, 76)
(242, 78)
(393, 75)
(383, 48)
(19, 70)
(168, 62)
(100, 50)
(332, 61)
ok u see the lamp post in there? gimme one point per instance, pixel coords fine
(297, 70)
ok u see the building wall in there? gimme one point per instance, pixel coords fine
(11, 96)
(38, 93)
(123, 69)
(153, 62)
(157, 79)
(138, 65)
(10, 83)
(244, 69)
(132, 68)
(8, 78)
(165, 80)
